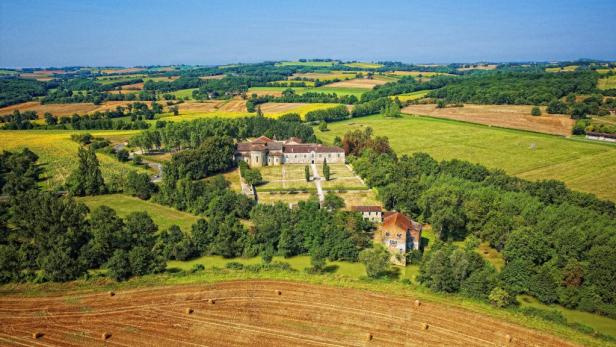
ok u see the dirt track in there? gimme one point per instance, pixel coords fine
(250, 313)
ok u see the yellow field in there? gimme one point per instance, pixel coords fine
(411, 96)
(365, 65)
(324, 76)
(568, 68)
(478, 67)
(277, 109)
(607, 82)
(58, 153)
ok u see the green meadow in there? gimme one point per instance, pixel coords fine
(583, 165)
(608, 82)
(123, 204)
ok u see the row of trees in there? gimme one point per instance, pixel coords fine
(191, 134)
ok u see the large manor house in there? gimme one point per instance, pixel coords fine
(265, 151)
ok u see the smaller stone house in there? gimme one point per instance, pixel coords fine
(371, 213)
(399, 234)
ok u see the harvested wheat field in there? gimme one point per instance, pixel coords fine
(62, 109)
(358, 83)
(134, 86)
(507, 116)
(250, 313)
(212, 77)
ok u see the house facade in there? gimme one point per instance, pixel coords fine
(264, 151)
(399, 234)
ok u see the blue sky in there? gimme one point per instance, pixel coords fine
(131, 32)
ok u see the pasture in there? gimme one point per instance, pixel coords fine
(58, 153)
(583, 165)
(507, 116)
(361, 65)
(123, 204)
(324, 76)
(608, 82)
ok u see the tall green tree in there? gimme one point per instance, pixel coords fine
(87, 178)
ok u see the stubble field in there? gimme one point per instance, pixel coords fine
(249, 313)
(507, 116)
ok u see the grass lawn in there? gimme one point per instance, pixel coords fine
(123, 204)
(583, 165)
(603, 324)
(183, 93)
(58, 153)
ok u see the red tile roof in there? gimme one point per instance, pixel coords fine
(400, 221)
(366, 208)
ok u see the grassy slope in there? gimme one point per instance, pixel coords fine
(599, 323)
(58, 153)
(582, 165)
(163, 216)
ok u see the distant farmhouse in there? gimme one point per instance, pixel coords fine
(265, 151)
(398, 233)
(601, 137)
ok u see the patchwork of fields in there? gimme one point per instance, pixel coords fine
(583, 165)
(62, 109)
(58, 153)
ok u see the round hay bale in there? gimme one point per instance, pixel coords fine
(111, 293)
(211, 301)
(106, 335)
(424, 326)
(278, 292)
(37, 335)
(189, 310)
(508, 338)
(369, 337)
(417, 303)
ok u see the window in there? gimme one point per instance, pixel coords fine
(393, 242)
(387, 233)
(399, 235)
